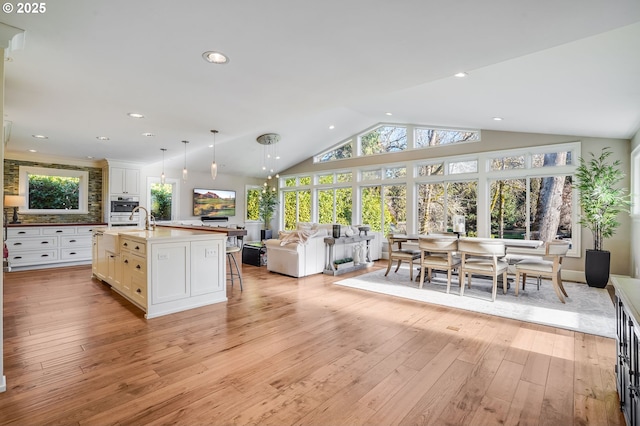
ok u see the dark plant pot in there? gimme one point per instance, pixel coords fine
(266, 234)
(596, 268)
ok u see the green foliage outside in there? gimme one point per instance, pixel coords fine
(253, 204)
(161, 201)
(54, 192)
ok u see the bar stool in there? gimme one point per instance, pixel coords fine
(231, 250)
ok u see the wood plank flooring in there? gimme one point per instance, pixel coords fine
(288, 351)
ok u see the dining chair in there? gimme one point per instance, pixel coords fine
(482, 257)
(439, 253)
(549, 266)
(397, 253)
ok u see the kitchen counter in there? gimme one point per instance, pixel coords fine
(164, 270)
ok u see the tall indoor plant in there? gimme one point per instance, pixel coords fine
(266, 208)
(601, 201)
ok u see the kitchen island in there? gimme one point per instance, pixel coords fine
(162, 271)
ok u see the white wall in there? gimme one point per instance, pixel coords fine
(198, 179)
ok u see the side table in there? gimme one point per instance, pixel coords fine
(253, 252)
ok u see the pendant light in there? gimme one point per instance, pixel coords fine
(163, 178)
(185, 173)
(214, 166)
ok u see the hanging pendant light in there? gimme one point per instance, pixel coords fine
(163, 178)
(185, 173)
(214, 166)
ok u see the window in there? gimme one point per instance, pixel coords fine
(431, 169)
(344, 150)
(439, 202)
(463, 167)
(508, 205)
(384, 139)
(335, 206)
(507, 163)
(434, 137)
(551, 159)
(163, 204)
(373, 174)
(162, 201)
(253, 203)
(297, 208)
(551, 208)
(395, 172)
(54, 191)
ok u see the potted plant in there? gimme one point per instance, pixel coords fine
(266, 208)
(345, 263)
(601, 201)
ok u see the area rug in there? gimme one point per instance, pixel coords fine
(587, 310)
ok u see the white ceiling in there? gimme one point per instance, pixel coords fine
(569, 67)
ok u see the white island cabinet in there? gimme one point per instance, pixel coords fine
(169, 270)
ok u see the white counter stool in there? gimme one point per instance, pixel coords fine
(231, 251)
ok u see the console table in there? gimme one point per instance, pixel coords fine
(330, 242)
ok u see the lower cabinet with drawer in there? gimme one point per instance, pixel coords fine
(37, 246)
(167, 275)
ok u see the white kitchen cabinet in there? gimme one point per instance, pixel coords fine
(168, 270)
(40, 246)
(124, 181)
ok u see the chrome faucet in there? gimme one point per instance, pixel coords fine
(146, 217)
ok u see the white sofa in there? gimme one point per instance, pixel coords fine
(303, 252)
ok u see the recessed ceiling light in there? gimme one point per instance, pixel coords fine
(332, 127)
(148, 134)
(388, 113)
(135, 115)
(215, 57)
(497, 118)
(460, 74)
(102, 138)
(40, 136)
(32, 150)
(90, 157)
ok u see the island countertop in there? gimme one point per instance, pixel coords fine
(161, 234)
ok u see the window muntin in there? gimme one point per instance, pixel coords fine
(425, 137)
(384, 139)
(54, 191)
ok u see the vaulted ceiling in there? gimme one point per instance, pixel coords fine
(297, 67)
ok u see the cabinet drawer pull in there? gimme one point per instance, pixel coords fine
(138, 291)
(17, 257)
(72, 253)
(126, 261)
(72, 241)
(44, 242)
(59, 231)
(44, 255)
(138, 267)
(125, 244)
(137, 248)
(17, 244)
(21, 232)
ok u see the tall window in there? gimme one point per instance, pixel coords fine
(384, 208)
(335, 206)
(508, 208)
(297, 208)
(163, 198)
(56, 191)
(438, 202)
(253, 203)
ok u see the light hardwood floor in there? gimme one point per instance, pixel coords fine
(288, 351)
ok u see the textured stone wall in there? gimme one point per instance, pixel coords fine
(11, 186)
